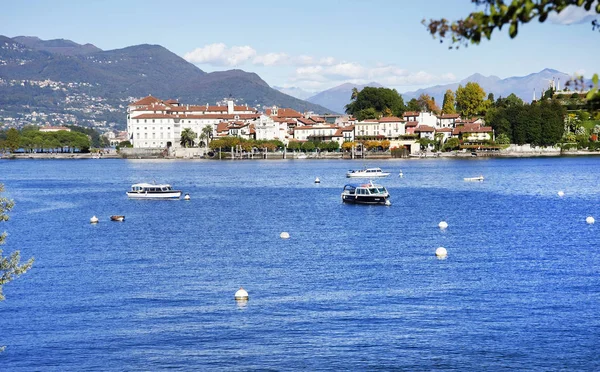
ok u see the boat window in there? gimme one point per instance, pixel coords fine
(373, 191)
(382, 190)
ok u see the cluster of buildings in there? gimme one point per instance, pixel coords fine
(154, 123)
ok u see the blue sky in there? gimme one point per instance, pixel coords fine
(314, 45)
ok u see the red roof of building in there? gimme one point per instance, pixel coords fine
(146, 101)
(306, 121)
(448, 116)
(284, 113)
(424, 128)
(412, 123)
(391, 119)
(411, 113)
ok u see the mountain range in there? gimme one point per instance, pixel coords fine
(122, 74)
(338, 97)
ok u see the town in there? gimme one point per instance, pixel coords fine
(156, 124)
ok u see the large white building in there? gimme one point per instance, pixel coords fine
(153, 123)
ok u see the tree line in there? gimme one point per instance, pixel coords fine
(30, 139)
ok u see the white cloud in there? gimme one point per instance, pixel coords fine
(220, 55)
(345, 70)
(317, 76)
(313, 73)
(304, 60)
(327, 61)
(271, 59)
(573, 15)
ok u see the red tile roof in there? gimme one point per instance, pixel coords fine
(448, 116)
(391, 119)
(146, 101)
(284, 113)
(424, 128)
(411, 113)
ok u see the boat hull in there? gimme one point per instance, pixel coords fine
(366, 199)
(364, 175)
(154, 195)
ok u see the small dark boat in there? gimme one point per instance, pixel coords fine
(117, 218)
(368, 193)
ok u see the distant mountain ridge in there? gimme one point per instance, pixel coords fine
(57, 46)
(115, 75)
(338, 97)
(295, 92)
(522, 86)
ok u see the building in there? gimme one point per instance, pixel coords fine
(153, 123)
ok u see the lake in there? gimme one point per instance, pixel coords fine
(354, 287)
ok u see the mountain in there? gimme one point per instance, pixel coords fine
(295, 92)
(521, 86)
(115, 77)
(57, 46)
(338, 97)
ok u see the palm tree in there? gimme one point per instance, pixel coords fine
(187, 137)
(206, 134)
(354, 93)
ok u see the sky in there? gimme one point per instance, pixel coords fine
(314, 45)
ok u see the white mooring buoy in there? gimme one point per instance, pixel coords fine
(401, 174)
(561, 193)
(94, 219)
(317, 180)
(443, 224)
(186, 197)
(284, 235)
(441, 252)
(590, 220)
(241, 295)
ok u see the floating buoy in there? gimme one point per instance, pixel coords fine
(443, 225)
(94, 219)
(317, 180)
(241, 295)
(284, 235)
(441, 252)
(186, 197)
(561, 193)
(401, 174)
(590, 220)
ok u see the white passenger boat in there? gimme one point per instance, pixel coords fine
(153, 191)
(368, 193)
(470, 179)
(366, 173)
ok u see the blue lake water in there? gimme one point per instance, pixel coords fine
(354, 288)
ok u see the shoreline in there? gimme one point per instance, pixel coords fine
(277, 156)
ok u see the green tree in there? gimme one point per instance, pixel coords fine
(469, 100)
(10, 266)
(188, 137)
(12, 139)
(502, 139)
(451, 144)
(511, 100)
(499, 13)
(424, 142)
(377, 99)
(448, 104)
(368, 113)
(413, 105)
(206, 134)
